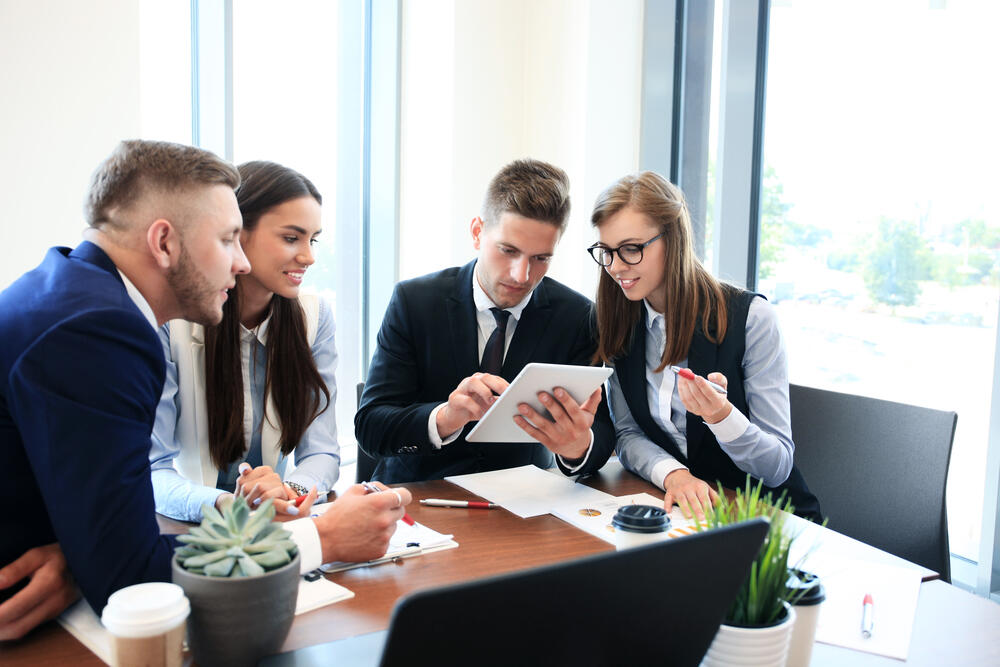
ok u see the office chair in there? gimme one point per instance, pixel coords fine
(366, 464)
(879, 470)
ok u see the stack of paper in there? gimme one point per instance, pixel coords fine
(528, 491)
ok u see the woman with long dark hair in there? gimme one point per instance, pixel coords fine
(241, 397)
(658, 308)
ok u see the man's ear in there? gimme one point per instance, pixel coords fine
(476, 228)
(164, 243)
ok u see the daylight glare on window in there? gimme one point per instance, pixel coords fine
(879, 242)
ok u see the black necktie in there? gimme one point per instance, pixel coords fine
(493, 354)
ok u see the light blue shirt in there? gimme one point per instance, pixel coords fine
(317, 456)
(761, 445)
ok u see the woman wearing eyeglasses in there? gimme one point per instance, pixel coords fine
(657, 308)
(241, 397)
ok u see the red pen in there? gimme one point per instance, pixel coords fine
(867, 608)
(300, 500)
(688, 374)
(371, 488)
(473, 504)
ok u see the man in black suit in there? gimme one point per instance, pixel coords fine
(451, 341)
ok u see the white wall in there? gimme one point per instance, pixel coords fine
(488, 81)
(69, 78)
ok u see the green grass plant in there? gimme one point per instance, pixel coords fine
(759, 602)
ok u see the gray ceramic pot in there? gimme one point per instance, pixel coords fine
(238, 621)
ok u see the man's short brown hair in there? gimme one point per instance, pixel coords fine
(530, 188)
(137, 167)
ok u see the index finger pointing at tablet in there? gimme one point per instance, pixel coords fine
(496, 383)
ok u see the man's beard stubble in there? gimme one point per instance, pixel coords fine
(192, 291)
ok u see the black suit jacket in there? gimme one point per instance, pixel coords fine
(428, 344)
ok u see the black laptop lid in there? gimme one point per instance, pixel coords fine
(656, 604)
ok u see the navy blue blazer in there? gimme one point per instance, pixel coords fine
(428, 344)
(81, 371)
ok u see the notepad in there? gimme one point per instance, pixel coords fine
(528, 491)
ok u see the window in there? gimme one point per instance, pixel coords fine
(879, 244)
(276, 92)
(484, 83)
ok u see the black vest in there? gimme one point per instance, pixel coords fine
(705, 459)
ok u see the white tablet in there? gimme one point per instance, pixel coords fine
(497, 425)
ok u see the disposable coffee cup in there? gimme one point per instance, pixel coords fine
(807, 610)
(636, 525)
(147, 623)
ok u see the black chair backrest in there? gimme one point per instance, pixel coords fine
(879, 470)
(366, 464)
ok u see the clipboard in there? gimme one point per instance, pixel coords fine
(406, 542)
(497, 425)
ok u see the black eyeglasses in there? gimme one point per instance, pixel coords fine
(630, 253)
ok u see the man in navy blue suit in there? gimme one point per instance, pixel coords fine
(450, 341)
(81, 372)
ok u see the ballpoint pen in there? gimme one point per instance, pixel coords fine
(867, 608)
(688, 374)
(371, 488)
(472, 504)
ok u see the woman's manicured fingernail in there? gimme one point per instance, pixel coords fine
(245, 468)
(293, 510)
(257, 501)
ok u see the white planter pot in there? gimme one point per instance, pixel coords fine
(756, 647)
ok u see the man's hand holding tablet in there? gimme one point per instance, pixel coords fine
(541, 405)
(567, 433)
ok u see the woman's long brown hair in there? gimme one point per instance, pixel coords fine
(692, 292)
(292, 380)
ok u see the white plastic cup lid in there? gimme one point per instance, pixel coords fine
(145, 610)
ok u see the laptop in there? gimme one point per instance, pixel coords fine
(657, 604)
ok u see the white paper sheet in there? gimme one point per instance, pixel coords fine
(319, 593)
(528, 491)
(81, 622)
(894, 592)
(596, 517)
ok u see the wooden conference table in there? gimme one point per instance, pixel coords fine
(951, 626)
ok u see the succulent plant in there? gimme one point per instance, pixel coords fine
(236, 542)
